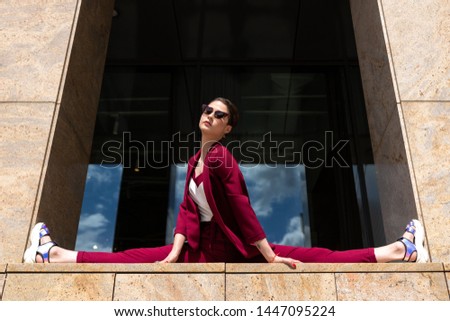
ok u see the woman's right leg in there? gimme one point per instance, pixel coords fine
(57, 254)
(142, 255)
(43, 249)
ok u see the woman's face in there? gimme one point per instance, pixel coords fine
(211, 126)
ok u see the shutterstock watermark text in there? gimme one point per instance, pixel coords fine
(133, 153)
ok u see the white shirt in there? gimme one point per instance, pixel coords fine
(198, 195)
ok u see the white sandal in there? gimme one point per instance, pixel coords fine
(416, 229)
(39, 231)
(419, 242)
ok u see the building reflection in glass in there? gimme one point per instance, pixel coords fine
(99, 209)
(277, 194)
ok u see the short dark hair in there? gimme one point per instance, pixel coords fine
(232, 109)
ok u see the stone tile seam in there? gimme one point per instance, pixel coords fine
(28, 102)
(336, 286)
(437, 267)
(231, 273)
(425, 101)
(111, 272)
(447, 279)
(225, 286)
(338, 272)
(2, 290)
(114, 287)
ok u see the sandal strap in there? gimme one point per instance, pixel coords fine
(44, 250)
(411, 228)
(43, 231)
(410, 248)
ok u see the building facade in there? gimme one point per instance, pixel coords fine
(51, 71)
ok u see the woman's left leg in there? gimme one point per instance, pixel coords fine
(322, 255)
(410, 248)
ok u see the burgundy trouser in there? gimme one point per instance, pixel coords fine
(215, 247)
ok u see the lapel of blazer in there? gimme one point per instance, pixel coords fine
(208, 191)
(209, 194)
(191, 166)
(216, 213)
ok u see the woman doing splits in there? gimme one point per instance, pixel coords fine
(216, 222)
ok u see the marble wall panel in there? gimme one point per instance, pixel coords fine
(395, 188)
(63, 189)
(403, 50)
(418, 33)
(394, 181)
(24, 134)
(280, 287)
(59, 287)
(428, 129)
(170, 287)
(398, 286)
(47, 56)
(373, 55)
(34, 40)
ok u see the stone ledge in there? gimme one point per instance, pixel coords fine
(220, 281)
(334, 267)
(116, 268)
(232, 268)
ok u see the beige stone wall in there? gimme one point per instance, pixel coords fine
(418, 36)
(403, 51)
(51, 60)
(226, 282)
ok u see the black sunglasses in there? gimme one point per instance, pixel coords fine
(217, 114)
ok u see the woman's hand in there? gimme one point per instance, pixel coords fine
(171, 258)
(265, 249)
(286, 260)
(177, 245)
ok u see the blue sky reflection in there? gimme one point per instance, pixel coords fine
(278, 196)
(99, 209)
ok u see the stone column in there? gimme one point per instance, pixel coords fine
(403, 52)
(52, 55)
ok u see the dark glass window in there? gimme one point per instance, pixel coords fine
(290, 66)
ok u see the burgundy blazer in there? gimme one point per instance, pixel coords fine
(228, 199)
